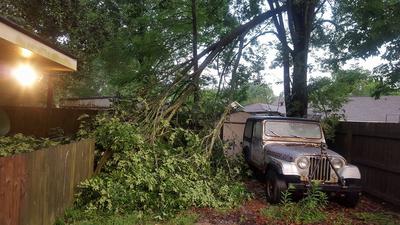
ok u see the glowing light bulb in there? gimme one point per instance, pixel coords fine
(26, 53)
(25, 75)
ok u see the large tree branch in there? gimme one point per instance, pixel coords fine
(279, 25)
(233, 35)
(292, 29)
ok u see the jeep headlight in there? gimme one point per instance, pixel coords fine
(303, 162)
(337, 163)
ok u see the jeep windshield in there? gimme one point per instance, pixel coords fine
(296, 129)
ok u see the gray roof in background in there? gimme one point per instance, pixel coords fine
(262, 108)
(363, 109)
(277, 106)
(384, 109)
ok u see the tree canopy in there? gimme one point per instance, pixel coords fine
(175, 49)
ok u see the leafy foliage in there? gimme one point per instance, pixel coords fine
(159, 178)
(307, 210)
(329, 124)
(10, 145)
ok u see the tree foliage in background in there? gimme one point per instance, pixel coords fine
(369, 28)
(259, 93)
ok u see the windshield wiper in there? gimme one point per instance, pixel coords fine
(273, 132)
(296, 136)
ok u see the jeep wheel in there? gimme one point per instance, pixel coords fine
(274, 187)
(351, 199)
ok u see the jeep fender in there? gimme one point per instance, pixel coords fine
(283, 167)
(350, 172)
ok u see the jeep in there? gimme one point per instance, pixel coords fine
(292, 152)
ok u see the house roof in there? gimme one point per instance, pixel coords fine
(46, 56)
(263, 108)
(258, 117)
(277, 106)
(368, 109)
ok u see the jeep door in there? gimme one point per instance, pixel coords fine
(257, 151)
(248, 131)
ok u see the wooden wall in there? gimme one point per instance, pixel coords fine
(232, 131)
(39, 121)
(375, 148)
(36, 187)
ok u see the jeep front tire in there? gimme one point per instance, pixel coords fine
(274, 187)
(351, 199)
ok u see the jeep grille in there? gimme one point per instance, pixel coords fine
(319, 169)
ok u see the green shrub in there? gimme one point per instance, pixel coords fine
(329, 125)
(19, 143)
(160, 179)
(307, 210)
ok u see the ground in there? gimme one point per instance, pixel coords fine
(252, 212)
(368, 211)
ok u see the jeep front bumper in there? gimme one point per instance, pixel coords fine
(351, 185)
(327, 187)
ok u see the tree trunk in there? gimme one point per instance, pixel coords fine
(300, 18)
(280, 28)
(196, 79)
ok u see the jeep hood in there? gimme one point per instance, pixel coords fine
(291, 151)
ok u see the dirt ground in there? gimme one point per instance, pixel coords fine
(250, 212)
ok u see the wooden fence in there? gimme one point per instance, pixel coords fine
(36, 187)
(375, 148)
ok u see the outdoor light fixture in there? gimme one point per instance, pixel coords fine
(26, 53)
(25, 74)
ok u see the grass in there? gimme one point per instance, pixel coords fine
(184, 219)
(293, 214)
(76, 217)
(377, 218)
(341, 219)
